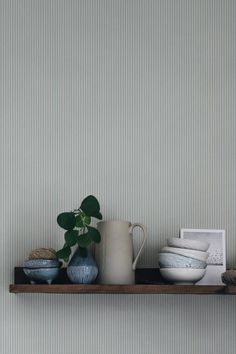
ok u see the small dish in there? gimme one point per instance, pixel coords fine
(41, 275)
(171, 260)
(182, 276)
(189, 244)
(201, 256)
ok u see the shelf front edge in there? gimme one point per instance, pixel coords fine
(122, 289)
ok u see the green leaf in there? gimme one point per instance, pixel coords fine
(64, 253)
(82, 220)
(94, 234)
(71, 237)
(87, 219)
(90, 206)
(66, 220)
(79, 221)
(84, 240)
(98, 216)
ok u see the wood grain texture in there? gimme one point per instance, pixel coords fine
(120, 289)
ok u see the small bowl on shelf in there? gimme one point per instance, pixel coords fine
(42, 270)
(199, 255)
(182, 276)
(198, 245)
(41, 275)
(42, 263)
(171, 260)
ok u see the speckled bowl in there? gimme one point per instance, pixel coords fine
(42, 263)
(41, 275)
(171, 260)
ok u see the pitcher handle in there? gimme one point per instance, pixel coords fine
(144, 240)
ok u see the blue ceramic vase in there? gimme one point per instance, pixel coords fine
(82, 268)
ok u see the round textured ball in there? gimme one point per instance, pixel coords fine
(229, 277)
(43, 253)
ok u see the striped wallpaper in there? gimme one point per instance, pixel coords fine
(132, 101)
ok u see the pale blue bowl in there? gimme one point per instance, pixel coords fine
(42, 263)
(41, 275)
(171, 260)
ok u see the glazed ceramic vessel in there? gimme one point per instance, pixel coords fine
(115, 254)
(42, 263)
(42, 270)
(201, 256)
(82, 268)
(171, 260)
(188, 244)
(42, 275)
(182, 276)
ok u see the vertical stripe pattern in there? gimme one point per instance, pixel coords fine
(132, 101)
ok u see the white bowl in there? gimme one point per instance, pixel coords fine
(182, 276)
(201, 256)
(189, 244)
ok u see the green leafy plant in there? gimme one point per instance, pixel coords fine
(76, 223)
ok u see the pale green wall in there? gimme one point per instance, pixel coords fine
(133, 101)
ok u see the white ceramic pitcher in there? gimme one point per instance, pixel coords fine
(114, 254)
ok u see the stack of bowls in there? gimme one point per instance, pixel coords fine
(42, 266)
(42, 270)
(183, 261)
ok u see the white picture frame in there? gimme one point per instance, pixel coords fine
(216, 263)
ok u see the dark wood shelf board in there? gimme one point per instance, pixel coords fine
(230, 290)
(118, 289)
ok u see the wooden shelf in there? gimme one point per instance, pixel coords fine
(120, 289)
(143, 279)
